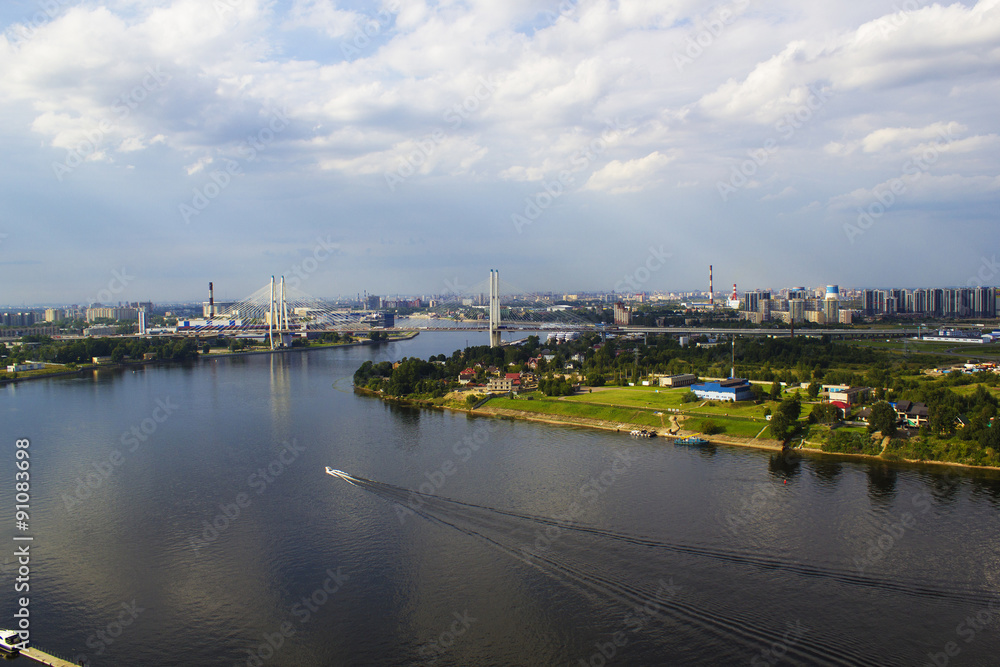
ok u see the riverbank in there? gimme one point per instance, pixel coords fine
(39, 375)
(675, 431)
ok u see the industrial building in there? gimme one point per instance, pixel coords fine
(733, 389)
(683, 380)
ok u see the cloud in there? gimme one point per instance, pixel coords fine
(510, 96)
(618, 177)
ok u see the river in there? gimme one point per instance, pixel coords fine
(181, 516)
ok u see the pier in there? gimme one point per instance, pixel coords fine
(44, 658)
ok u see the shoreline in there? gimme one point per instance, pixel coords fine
(201, 357)
(765, 444)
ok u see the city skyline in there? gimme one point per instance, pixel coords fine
(782, 293)
(155, 145)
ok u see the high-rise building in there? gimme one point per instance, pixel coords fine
(623, 315)
(868, 302)
(797, 310)
(831, 309)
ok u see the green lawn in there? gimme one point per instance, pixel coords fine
(636, 397)
(566, 408)
(739, 428)
(670, 399)
(637, 405)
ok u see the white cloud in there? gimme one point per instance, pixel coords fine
(618, 177)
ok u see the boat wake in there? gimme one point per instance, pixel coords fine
(564, 549)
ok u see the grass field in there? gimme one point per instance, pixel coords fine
(638, 405)
(566, 408)
(670, 399)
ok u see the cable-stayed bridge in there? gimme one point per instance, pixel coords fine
(280, 311)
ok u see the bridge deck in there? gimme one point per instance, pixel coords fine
(46, 659)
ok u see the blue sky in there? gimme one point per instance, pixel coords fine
(406, 146)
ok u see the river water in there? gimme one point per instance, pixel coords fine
(181, 516)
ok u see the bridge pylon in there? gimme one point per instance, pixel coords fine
(277, 316)
(494, 308)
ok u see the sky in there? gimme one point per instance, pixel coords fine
(410, 146)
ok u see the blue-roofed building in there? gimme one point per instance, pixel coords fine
(733, 389)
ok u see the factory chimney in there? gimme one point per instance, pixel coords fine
(711, 288)
(211, 300)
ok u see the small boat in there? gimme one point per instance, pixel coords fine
(691, 440)
(642, 433)
(9, 642)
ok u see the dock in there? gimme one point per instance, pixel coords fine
(44, 658)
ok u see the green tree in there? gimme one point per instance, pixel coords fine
(709, 427)
(882, 419)
(791, 408)
(775, 390)
(813, 390)
(780, 426)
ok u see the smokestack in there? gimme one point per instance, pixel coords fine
(211, 300)
(711, 288)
